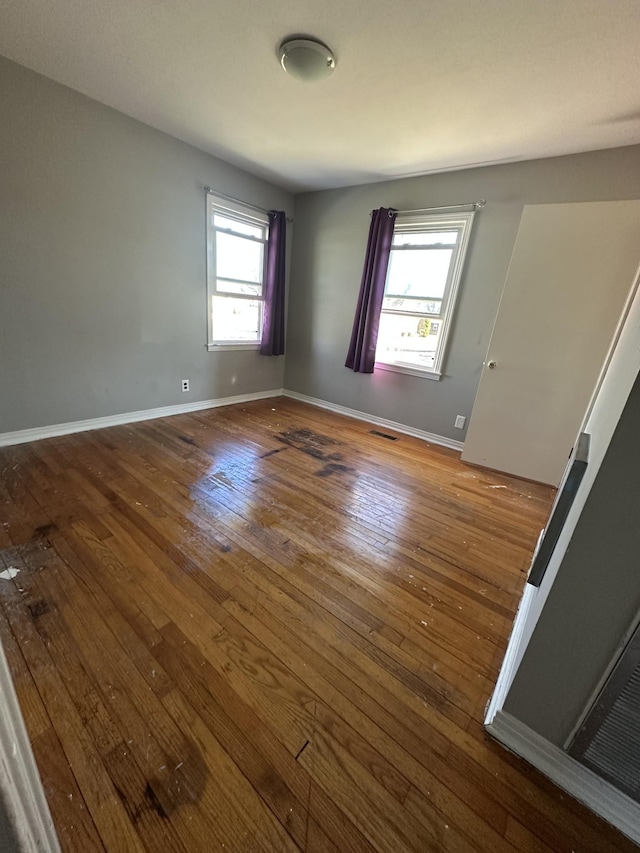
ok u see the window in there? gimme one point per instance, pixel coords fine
(425, 265)
(236, 243)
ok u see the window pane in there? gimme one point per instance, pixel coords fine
(235, 319)
(424, 238)
(418, 273)
(220, 221)
(415, 306)
(223, 286)
(408, 340)
(238, 258)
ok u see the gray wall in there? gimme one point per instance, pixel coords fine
(595, 597)
(102, 270)
(102, 294)
(8, 840)
(330, 240)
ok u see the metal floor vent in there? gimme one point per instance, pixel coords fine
(609, 740)
(383, 435)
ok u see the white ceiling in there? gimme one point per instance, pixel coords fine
(420, 85)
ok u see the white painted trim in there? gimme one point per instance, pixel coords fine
(600, 796)
(409, 371)
(23, 435)
(233, 347)
(372, 419)
(22, 791)
(36, 433)
(512, 655)
(607, 404)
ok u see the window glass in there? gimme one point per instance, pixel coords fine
(235, 319)
(425, 238)
(236, 244)
(238, 258)
(238, 287)
(420, 306)
(409, 340)
(425, 266)
(220, 221)
(418, 273)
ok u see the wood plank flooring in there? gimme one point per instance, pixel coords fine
(263, 628)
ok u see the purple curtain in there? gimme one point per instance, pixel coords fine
(364, 336)
(272, 342)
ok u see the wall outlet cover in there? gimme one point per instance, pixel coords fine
(460, 422)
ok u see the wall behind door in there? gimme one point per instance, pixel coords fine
(330, 238)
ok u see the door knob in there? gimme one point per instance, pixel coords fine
(491, 364)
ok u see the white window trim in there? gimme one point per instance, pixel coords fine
(409, 370)
(436, 221)
(246, 213)
(231, 347)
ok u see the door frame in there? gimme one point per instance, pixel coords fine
(20, 785)
(615, 381)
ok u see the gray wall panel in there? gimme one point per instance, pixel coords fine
(102, 261)
(331, 236)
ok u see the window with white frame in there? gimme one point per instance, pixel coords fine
(236, 256)
(425, 266)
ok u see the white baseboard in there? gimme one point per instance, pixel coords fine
(431, 437)
(600, 796)
(36, 433)
(23, 435)
(20, 785)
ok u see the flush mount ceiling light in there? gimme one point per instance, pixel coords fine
(306, 59)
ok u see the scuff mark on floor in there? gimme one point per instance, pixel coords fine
(9, 574)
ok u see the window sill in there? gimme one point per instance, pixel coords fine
(232, 347)
(409, 371)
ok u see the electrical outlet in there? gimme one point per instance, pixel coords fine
(185, 384)
(460, 422)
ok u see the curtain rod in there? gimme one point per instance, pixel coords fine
(239, 201)
(474, 204)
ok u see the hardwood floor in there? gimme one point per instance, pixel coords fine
(264, 628)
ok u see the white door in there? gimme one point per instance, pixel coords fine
(599, 423)
(571, 271)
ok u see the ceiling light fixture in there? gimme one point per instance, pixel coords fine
(306, 59)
